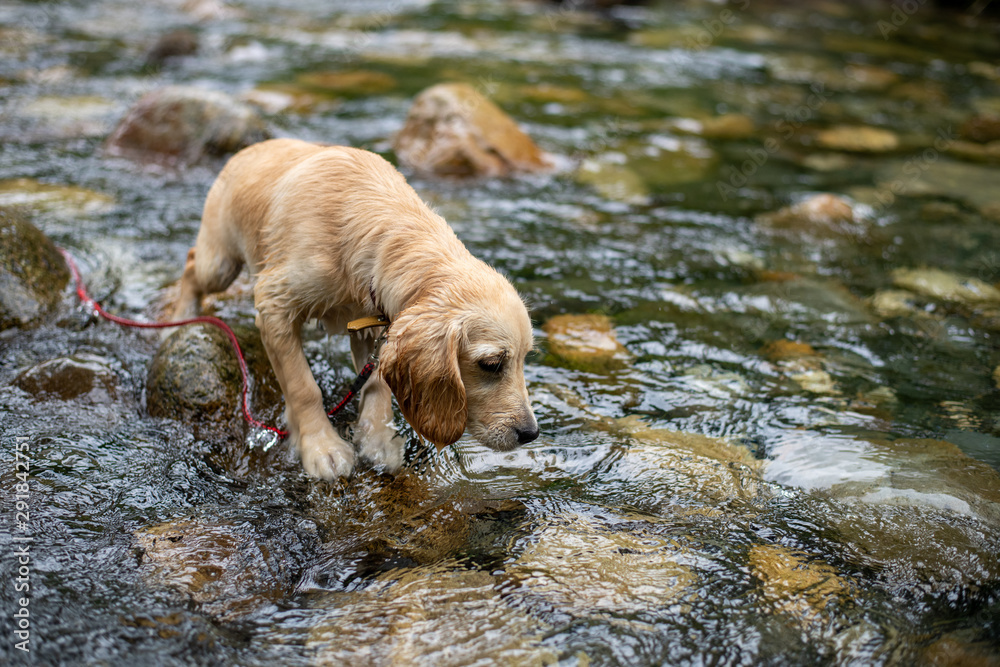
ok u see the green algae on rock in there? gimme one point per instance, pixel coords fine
(63, 201)
(32, 272)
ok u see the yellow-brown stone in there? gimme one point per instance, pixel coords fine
(585, 341)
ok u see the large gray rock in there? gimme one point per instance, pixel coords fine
(32, 272)
(179, 125)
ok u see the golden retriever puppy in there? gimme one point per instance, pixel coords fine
(336, 233)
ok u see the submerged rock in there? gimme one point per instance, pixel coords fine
(919, 177)
(63, 201)
(982, 128)
(229, 569)
(802, 364)
(438, 615)
(590, 566)
(173, 44)
(453, 130)
(728, 126)
(83, 376)
(996, 376)
(702, 469)
(796, 585)
(858, 139)
(32, 272)
(585, 341)
(179, 125)
(282, 98)
(665, 162)
(823, 215)
(898, 303)
(53, 117)
(349, 82)
(946, 286)
(613, 180)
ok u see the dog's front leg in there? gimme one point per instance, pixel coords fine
(324, 454)
(375, 432)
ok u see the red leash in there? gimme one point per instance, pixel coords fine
(81, 291)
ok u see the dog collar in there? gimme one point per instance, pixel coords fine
(363, 323)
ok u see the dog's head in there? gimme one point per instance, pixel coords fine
(456, 363)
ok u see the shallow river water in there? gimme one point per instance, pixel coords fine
(793, 460)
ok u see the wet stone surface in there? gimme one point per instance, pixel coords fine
(32, 272)
(759, 244)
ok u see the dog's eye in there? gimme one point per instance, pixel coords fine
(491, 365)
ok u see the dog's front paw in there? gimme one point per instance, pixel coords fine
(326, 456)
(382, 446)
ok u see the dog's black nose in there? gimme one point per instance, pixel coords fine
(526, 435)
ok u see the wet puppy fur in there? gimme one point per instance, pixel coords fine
(336, 234)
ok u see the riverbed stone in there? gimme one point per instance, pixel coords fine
(706, 471)
(899, 303)
(225, 567)
(981, 128)
(796, 585)
(286, 98)
(988, 153)
(32, 272)
(613, 180)
(454, 130)
(728, 126)
(84, 377)
(665, 162)
(585, 341)
(179, 125)
(588, 566)
(996, 376)
(858, 139)
(974, 184)
(954, 650)
(55, 117)
(174, 44)
(357, 82)
(435, 615)
(802, 364)
(66, 202)
(946, 286)
(194, 376)
(823, 215)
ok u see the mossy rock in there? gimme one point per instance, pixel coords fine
(32, 272)
(195, 377)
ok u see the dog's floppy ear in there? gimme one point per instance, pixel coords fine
(419, 362)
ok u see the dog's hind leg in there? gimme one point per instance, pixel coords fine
(212, 264)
